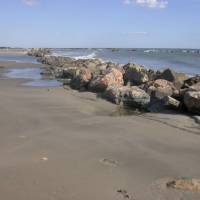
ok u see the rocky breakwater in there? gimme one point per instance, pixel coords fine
(38, 52)
(131, 84)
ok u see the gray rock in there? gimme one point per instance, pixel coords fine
(113, 94)
(128, 95)
(161, 93)
(135, 97)
(197, 119)
(156, 105)
(135, 74)
(195, 87)
(192, 101)
(81, 79)
(172, 103)
(70, 72)
(191, 81)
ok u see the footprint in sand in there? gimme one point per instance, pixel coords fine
(125, 194)
(109, 162)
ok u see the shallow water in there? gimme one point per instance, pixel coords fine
(25, 73)
(34, 75)
(19, 58)
(43, 83)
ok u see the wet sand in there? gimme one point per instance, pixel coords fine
(58, 144)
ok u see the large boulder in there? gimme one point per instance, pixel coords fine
(174, 77)
(81, 79)
(192, 101)
(101, 82)
(128, 95)
(191, 81)
(161, 83)
(113, 93)
(135, 74)
(181, 93)
(195, 87)
(135, 97)
(160, 88)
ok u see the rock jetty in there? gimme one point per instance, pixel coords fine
(131, 84)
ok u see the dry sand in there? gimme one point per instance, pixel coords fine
(58, 144)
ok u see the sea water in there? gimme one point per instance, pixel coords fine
(19, 58)
(181, 60)
(33, 76)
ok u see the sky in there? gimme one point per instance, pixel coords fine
(100, 23)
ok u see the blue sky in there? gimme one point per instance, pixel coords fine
(100, 23)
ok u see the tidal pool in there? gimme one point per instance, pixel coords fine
(35, 79)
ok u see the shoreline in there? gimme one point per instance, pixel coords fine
(117, 110)
(142, 88)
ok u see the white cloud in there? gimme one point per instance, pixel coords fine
(149, 3)
(30, 2)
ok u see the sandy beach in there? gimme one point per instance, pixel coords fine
(58, 144)
(100, 100)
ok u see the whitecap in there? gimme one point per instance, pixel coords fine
(90, 56)
(150, 51)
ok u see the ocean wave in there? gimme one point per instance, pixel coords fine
(151, 51)
(76, 57)
(57, 54)
(90, 56)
